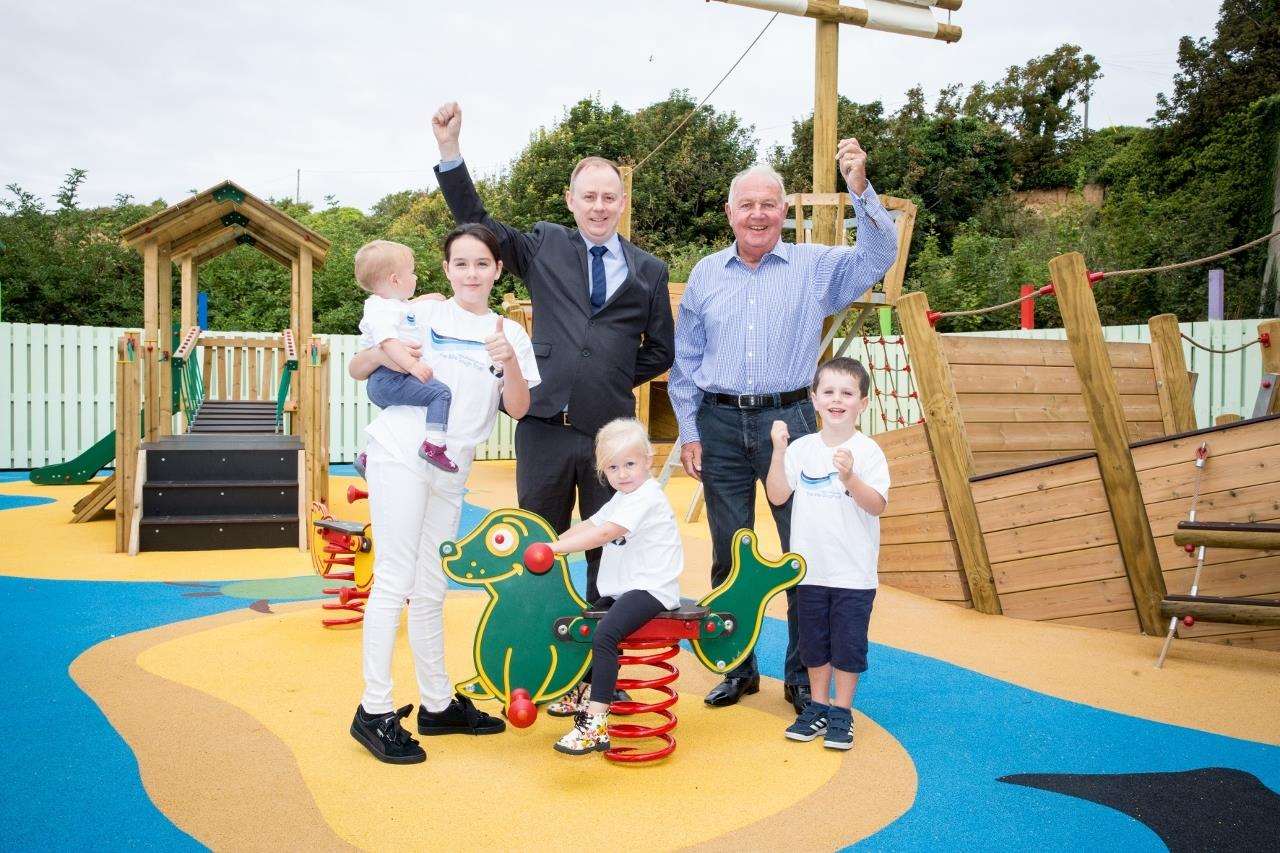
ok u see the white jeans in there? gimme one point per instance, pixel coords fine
(412, 514)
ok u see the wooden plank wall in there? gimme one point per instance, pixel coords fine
(1021, 399)
(1053, 547)
(1240, 482)
(917, 548)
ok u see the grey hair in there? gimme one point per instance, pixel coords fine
(762, 169)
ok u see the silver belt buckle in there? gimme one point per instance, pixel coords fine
(742, 405)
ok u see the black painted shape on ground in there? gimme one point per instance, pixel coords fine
(213, 594)
(1214, 808)
(261, 606)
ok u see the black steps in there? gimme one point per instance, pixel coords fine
(210, 491)
(235, 416)
(216, 532)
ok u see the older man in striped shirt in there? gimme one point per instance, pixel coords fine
(747, 338)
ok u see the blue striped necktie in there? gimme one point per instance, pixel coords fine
(597, 277)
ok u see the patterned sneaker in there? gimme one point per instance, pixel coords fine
(462, 717)
(590, 733)
(571, 703)
(839, 729)
(811, 723)
(385, 738)
(434, 453)
(361, 461)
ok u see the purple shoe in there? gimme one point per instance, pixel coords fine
(434, 453)
(359, 464)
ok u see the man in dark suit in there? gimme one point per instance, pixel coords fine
(602, 325)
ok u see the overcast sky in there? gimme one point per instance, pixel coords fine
(156, 98)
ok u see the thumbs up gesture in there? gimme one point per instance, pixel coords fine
(498, 347)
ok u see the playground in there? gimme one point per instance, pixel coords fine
(1075, 642)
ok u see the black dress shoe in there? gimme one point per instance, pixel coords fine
(798, 695)
(729, 691)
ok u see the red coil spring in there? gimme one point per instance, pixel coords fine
(661, 731)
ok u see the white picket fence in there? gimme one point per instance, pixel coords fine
(58, 396)
(57, 393)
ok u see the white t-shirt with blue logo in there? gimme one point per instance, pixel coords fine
(452, 341)
(838, 539)
(384, 319)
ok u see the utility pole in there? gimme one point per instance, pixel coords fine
(297, 188)
(1088, 90)
(908, 17)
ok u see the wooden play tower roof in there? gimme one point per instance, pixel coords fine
(223, 217)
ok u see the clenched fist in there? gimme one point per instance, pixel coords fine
(853, 164)
(446, 124)
(780, 435)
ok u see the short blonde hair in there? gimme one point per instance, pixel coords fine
(593, 163)
(618, 436)
(376, 261)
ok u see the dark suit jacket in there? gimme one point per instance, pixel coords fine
(589, 363)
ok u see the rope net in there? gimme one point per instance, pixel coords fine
(895, 401)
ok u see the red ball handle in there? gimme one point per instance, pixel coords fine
(538, 558)
(521, 711)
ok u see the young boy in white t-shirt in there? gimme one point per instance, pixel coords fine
(390, 319)
(840, 480)
(639, 571)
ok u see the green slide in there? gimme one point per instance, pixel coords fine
(82, 469)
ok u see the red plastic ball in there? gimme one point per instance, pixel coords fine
(521, 711)
(1188, 620)
(584, 630)
(1191, 549)
(538, 558)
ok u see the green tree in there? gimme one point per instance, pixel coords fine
(1037, 101)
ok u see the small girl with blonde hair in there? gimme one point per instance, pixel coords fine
(639, 571)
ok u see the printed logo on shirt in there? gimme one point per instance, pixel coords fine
(444, 342)
(815, 484)
(411, 319)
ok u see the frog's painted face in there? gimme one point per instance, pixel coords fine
(494, 550)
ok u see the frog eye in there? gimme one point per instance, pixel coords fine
(502, 540)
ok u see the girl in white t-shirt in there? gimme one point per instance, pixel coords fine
(414, 505)
(639, 571)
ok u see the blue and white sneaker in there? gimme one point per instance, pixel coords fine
(811, 723)
(839, 729)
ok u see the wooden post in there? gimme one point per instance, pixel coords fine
(128, 362)
(150, 339)
(1173, 386)
(897, 273)
(624, 222)
(826, 227)
(950, 443)
(1110, 437)
(164, 344)
(1271, 353)
(190, 306)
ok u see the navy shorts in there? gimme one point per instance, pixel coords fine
(833, 626)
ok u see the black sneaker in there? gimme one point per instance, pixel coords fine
(383, 736)
(811, 723)
(462, 717)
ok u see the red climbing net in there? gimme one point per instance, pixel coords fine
(894, 399)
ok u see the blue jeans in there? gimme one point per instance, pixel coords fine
(736, 451)
(387, 387)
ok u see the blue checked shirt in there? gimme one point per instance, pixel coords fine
(756, 331)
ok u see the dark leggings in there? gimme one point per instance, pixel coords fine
(626, 614)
